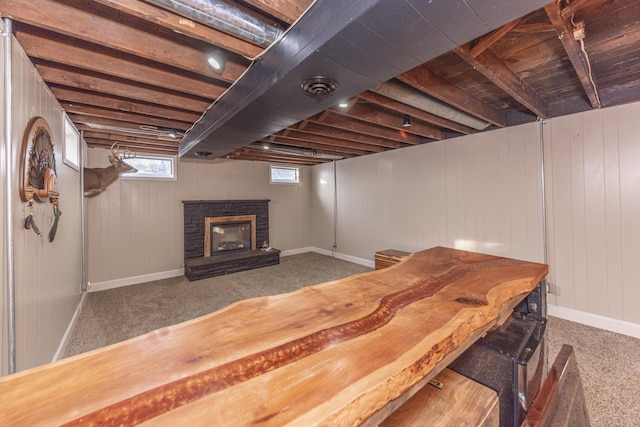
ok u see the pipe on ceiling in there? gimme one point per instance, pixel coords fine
(224, 17)
(406, 95)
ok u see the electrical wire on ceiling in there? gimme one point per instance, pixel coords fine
(579, 35)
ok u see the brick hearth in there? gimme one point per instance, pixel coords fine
(196, 265)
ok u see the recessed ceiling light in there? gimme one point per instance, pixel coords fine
(343, 104)
(216, 61)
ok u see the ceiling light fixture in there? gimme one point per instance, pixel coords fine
(407, 121)
(216, 61)
(343, 104)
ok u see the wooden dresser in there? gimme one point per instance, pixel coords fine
(389, 257)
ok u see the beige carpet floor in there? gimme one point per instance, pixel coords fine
(609, 363)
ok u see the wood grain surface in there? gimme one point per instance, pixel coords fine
(459, 402)
(331, 354)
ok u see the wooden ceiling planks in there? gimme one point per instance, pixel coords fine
(111, 58)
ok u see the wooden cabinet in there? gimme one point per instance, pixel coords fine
(389, 257)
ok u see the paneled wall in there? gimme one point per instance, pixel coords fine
(47, 275)
(135, 227)
(593, 176)
(480, 192)
(4, 350)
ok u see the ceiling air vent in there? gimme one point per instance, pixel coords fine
(319, 87)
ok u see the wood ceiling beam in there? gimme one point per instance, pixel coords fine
(180, 24)
(539, 27)
(126, 139)
(321, 129)
(427, 81)
(382, 117)
(75, 96)
(285, 10)
(249, 157)
(292, 142)
(87, 56)
(106, 27)
(574, 52)
(258, 155)
(320, 150)
(416, 113)
(138, 148)
(485, 42)
(332, 142)
(51, 73)
(571, 8)
(84, 122)
(125, 117)
(335, 120)
(493, 68)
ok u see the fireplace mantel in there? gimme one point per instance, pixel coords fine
(197, 264)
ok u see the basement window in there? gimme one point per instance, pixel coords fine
(285, 174)
(152, 167)
(71, 147)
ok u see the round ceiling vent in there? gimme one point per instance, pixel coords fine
(319, 87)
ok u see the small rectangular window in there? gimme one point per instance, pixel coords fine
(285, 175)
(152, 167)
(71, 147)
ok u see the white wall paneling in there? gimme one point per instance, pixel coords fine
(135, 228)
(594, 210)
(4, 147)
(47, 275)
(480, 192)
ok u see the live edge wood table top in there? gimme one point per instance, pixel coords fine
(345, 352)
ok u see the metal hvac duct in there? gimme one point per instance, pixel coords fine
(358, 44)
(406, 95)
(224, 17)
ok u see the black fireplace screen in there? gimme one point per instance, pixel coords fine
(230, 237)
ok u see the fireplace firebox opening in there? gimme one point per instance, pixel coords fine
(229, 234)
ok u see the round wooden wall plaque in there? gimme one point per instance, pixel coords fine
(37, 161)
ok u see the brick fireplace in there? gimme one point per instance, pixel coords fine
(225, 236)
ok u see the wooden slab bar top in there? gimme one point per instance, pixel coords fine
(340, 354)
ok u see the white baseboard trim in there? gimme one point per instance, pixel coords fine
(67, 333)
(595, 320)
(296, 251)
(126, 281)
(355, 260)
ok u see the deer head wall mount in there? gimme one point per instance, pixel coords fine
(96, 180)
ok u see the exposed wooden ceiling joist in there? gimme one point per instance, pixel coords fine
(93, 22)
(87, 56)
(129, 63)
(184, 25)
(504, 77)
(120, 104)
(428, 82)
(574, 52)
